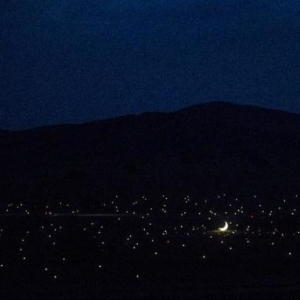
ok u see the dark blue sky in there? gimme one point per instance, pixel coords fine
(74, 61)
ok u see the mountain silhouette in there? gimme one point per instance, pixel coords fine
(205, 149)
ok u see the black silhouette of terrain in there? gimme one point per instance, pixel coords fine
(213, 152)
(209, 148)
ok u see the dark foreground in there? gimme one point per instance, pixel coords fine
(145, 257)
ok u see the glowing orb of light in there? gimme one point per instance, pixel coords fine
(224, 228)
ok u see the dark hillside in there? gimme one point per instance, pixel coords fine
(204, 149)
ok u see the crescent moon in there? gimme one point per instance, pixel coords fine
(225, 227)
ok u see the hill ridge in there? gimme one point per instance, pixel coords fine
(202, 150)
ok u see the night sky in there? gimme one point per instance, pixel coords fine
(75, 61)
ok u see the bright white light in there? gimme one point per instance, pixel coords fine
(225, 227)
